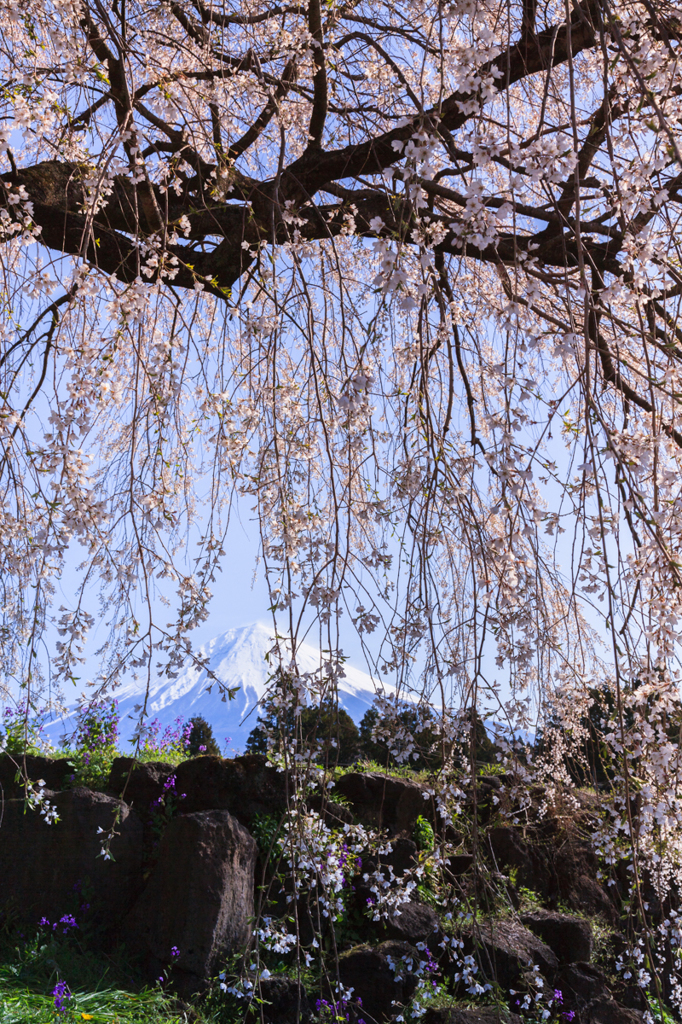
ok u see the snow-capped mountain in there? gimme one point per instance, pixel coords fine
(237, 657)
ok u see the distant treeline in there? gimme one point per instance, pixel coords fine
(329, 732)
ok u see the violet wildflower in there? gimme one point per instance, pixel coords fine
(60, 993)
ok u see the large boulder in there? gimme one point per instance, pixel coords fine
(400, 854)
(459, 863)
(581, 984)
(558, 865)
(42, 865)
(380, 976)
(55, 772)
(333, 814)
(198, 899)
(384, 801)
(139, 784)
(569, 937)
(585, 993)
(576, 869)
(531, 861)
(482, 1015)
(280, 1000)
(413, 922)
(607, 1011)
(402, 857)
(506, 950)
(244, 786)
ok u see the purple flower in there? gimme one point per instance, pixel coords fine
(69, 921)
(175, 951)
(569, 1015)
(558, 995)
(202, 750)
(60, 993)
(44, 923)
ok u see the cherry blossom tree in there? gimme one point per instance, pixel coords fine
(404, 278)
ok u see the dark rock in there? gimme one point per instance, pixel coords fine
(415, 923)
(585, 992)
(533, 866)
(569, 937)
(199, 897)
(492, 782)
(403, 856)
(138, 784)
(459, 863)
(631, 996)
(333, 814)
(606, 1010)
(41, 864)
(576, 866)
(507, 949)
(244, 786)
(562, 870)
(484, 1015)
(367, 970)
(581, 984)
(54, 771)
(586, 894)
(384, 801)
(284, 1001)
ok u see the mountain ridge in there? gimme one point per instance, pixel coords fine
(238, 659)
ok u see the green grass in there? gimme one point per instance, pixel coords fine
(114, 1006)
(29, 971)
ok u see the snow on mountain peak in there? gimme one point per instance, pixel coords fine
(238, 659)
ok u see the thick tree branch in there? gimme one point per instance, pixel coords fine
(520, 60)
(318, 115)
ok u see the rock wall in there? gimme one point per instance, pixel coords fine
(179, 889)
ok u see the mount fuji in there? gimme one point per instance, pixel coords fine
(237, 657)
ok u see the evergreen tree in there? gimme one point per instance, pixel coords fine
(427, 748)
(333, 730)
(201, 739)
(325, 726)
